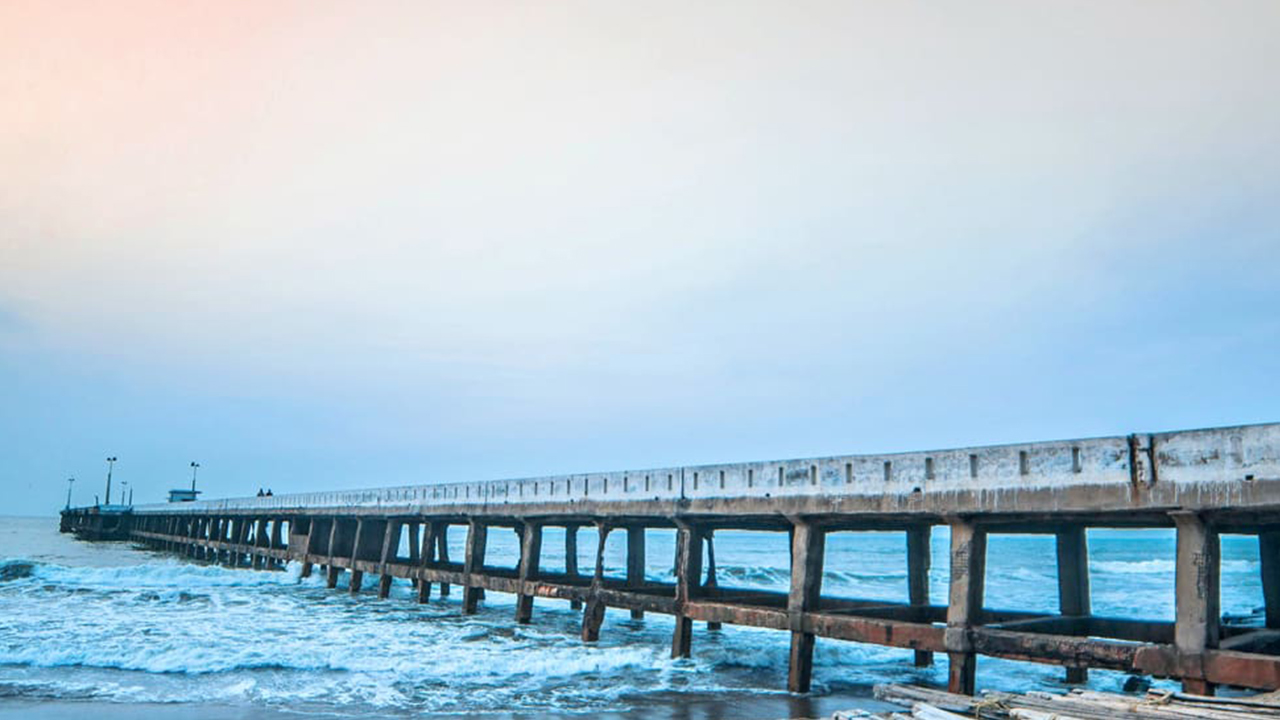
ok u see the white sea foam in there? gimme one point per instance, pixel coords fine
(1163, 566)
(157, 629)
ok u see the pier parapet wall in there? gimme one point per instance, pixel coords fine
(1202, 483)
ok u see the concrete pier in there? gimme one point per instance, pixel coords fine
(1201, 483)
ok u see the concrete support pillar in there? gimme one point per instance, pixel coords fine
(197, 542)
(530, 556)
(635, 563)
(228, 538)
(259, 526)
(442, 549)
(1269, 555)
(1197, 587)
(593, 615)
(241, 535)
(426, 557)
(968, 576)
(413, 542)
(808, 548)
(390, 546)
(919, 558)
(361, 549)
(477, 538)
(710, 585)
(688, 574)
(331, 576)
(308, 542)
(332, 549)
(206, 534)
(1073, 583)
(571, 559)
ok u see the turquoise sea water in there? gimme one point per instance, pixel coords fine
(113, 627)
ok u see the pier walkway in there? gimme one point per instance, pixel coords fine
(1203, 483)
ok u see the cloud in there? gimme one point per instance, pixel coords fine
(493, 239)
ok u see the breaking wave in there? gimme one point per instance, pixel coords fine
(153, 628)
(1162, 566)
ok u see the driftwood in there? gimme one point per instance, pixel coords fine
(930, 704)
(908, 695)
(925, 711)
(1024, 714)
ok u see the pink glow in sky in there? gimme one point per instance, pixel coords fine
(325, 245)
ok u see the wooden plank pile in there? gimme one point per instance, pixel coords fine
(929, 704)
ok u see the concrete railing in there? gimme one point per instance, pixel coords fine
(1194, 457)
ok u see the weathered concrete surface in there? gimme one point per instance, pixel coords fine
(1212, 470)
(1202, 482)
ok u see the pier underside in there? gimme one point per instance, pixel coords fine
(1210, 654)
(1201, 485)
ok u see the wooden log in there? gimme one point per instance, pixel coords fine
(908, 695)
(1265, 704)
(808, 547)
(919, 558)
(1092, 705)
(1025, 714)
(968, 573)
(925, 711)
(1196, 586)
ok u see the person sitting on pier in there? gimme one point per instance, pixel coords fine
(260, 493)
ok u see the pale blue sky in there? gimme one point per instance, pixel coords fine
(317, 246)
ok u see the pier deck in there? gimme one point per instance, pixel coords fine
(1202, 483)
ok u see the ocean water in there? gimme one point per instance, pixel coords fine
(115, 628)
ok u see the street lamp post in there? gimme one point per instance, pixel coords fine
(69, 482)
(124, 485)
(111, 461)
(194, 467)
